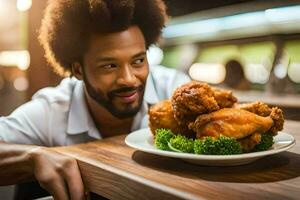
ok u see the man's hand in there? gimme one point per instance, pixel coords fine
(57, 173)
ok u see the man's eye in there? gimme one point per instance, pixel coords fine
(139, 61)
(108, 66)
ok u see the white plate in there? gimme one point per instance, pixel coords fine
(143, 141)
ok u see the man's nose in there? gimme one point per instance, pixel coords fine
(126, 76)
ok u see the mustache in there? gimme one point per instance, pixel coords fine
(125, 89)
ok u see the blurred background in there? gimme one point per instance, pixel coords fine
(252, 47)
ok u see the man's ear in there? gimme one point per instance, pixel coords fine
(77, 70)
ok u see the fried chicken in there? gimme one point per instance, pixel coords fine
(197, 110)
(240, 124)
(230, 122)
(196, 98)
(191, 100)
(277, 116)
(250, 142)
(224, 98)
(161, 115)
(264, 110)
(257, 107)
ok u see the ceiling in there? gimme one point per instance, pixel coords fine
(11, 35)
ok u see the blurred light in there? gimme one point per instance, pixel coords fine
(263, 19)
(257, 73)
(192, 28)
(23, 5)
(4, 10)
(283, 14)
(243, 20)
(294, 72)
(154, 55)
(188, 54)
(206, 72)
(280, 71)
(20, 59)
(2, 3)
(21, 84)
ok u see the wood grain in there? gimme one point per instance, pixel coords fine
(116, 171)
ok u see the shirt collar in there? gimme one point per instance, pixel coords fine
(151, 96)
(79, 118)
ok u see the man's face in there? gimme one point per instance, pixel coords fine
(115, 69)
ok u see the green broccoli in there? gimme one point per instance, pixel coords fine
(180, 143)
(162, 137)
(220, 146)
(265, 143)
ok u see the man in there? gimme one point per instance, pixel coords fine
(102, 44)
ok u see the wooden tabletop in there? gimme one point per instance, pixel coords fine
(116, 171)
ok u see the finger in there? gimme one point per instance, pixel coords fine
(87, 195)
(74, 181)
(57, 188)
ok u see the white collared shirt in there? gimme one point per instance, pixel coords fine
(59, 116)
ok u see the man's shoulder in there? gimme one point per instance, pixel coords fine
(59, 94)
(166, 80)
(160, 72)
(163, 75)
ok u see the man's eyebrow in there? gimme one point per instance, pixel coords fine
(139, 54)
(105, 59)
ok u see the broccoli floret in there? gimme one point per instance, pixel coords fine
(162, 137)
(181, 143)
(265, 143)
(220, 146)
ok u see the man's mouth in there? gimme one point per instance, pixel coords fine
(127, 97)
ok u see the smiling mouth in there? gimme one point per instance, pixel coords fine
(127, 97)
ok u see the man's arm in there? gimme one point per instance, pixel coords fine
(57, 173)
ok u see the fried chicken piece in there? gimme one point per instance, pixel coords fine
(161, 115)
(230, 122)
(264, 110)
(257, 107)
(249, 143)
(224, 98)
(196, 98)
(192, 99)
(277, 116)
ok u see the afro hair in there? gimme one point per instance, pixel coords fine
(67, 25)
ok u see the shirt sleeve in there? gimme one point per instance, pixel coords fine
(177, 80)
(166, 80)
(28, 124)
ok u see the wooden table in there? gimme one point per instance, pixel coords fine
(116, 171)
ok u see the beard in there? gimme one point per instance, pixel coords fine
(99, 97)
